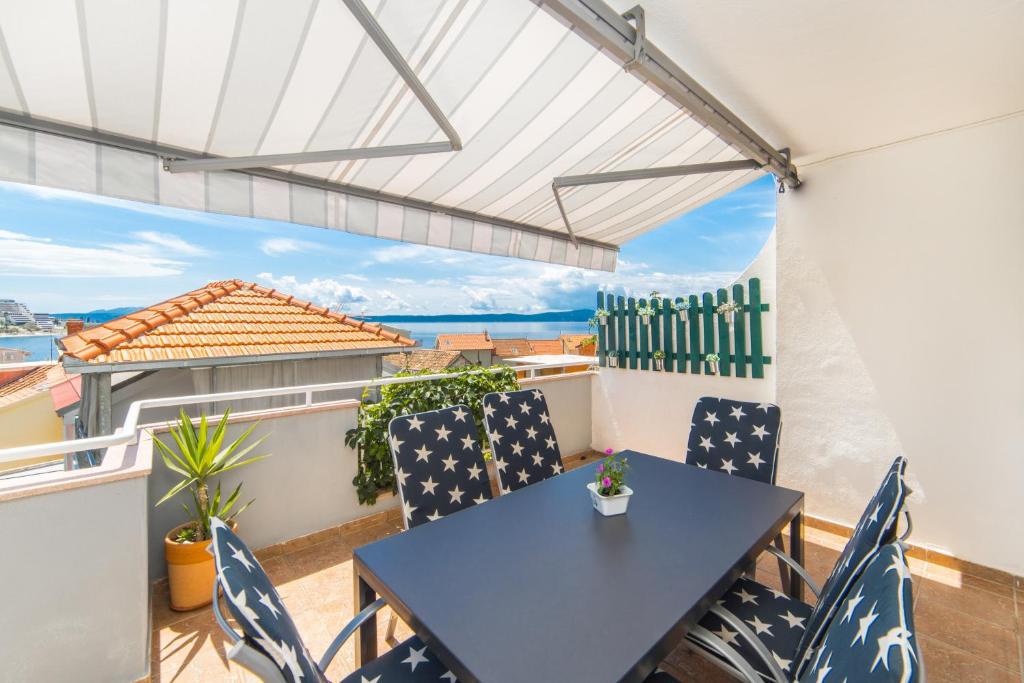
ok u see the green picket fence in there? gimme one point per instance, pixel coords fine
(686, 339)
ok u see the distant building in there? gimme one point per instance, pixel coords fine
(43, 321)
(418, 360)
(477, 348)
(580, 344)
(13, 355)
(510, 348)
(31, 400)
(226, 336)
(15, 313)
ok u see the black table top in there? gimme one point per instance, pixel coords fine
(537, 586)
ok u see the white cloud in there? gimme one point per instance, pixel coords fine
(54, 194)
(276, 246)
(169, 242)
(323, 291)
(416, 252)
(23, 255)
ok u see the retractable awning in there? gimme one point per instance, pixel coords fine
(503, 127)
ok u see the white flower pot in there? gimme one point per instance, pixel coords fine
(731, 317)
(613, 361)
(609, 505)
(713, 367)
(659, 363)
(603, 319)
(683, 316)
(646, 319)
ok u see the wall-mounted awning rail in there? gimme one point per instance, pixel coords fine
(613, 32)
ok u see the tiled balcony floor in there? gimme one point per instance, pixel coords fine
(970, 628)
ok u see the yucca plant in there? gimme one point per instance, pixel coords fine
(199, 456)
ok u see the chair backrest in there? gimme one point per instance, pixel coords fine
(877, 527)
(256, 606)
(522, 438)
(438, 463)
(737, 437)
(874, 640)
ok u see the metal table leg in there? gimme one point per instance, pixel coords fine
(366, 636)
(796, 551)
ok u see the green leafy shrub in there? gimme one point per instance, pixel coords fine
(370, 436)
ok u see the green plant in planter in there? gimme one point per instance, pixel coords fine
(200, 456)
(611, 474)
(600, 317)
(369, 436)
(659, 355)
(645, 311)
(712, 358)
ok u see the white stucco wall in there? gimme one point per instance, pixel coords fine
(900, 331)
(650, 411)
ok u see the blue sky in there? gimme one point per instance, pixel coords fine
(62, 251)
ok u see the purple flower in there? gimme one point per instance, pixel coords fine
(600, 468)
(608, 451)
(606, 482)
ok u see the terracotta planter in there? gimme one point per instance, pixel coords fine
(588, 349)
(190, 572)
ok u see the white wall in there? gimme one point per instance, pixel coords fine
(650, 411)
(900, 331)
(74, 588)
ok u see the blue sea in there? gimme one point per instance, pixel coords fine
(41, 346)
(426, 333)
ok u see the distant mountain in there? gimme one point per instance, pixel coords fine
(98, 316)
(579, 315)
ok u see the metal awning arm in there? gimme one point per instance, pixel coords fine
(381, 39)
(612, 32)
(643, 174)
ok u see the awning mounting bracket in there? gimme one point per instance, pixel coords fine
(640, 43)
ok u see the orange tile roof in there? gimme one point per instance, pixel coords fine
(571, 342)
(226, 319)
(42, 378)
(424, 359)
(546, 347)
(507, 348)
(464, 342)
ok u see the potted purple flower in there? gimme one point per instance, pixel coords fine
(608, 491)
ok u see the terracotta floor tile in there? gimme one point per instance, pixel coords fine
(957, 579)
(948, 664)
(968, 599)
(688, 666)
(969, 634)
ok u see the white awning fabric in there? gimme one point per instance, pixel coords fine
(93, 93)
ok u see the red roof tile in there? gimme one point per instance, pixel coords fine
(465, 342)
(225, 319)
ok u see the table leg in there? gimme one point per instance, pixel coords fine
(796, 551)
(366, 636)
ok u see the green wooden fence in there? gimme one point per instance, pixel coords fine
(685, 339)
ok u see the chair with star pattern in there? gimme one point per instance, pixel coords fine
(438, 464)
(735, 437)
(522, 438)
(758, 633)
(270, 645)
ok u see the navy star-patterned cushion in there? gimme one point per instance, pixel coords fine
(877, 526)
(257, 607)
(736, 437)
(407, 661)
(438, 463)
(777, 619)
(522, 438)
(872, 638)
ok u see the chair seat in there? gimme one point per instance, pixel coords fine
(777, 619)
(410, 660)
